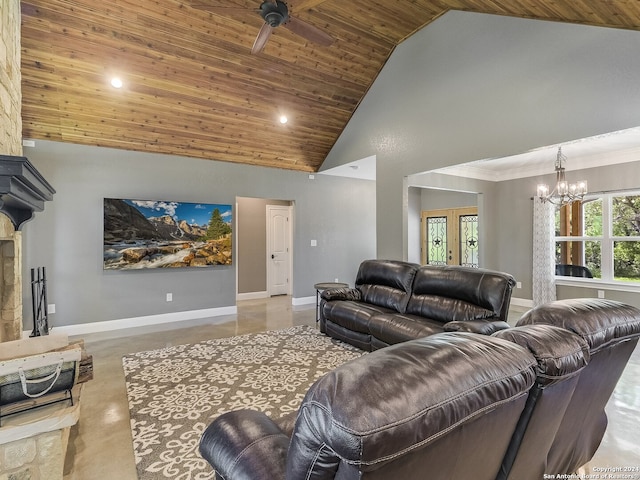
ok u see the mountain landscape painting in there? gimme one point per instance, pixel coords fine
(161, 234)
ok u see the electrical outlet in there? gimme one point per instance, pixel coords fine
(518, 284)
(600, 293)
(169, 297)
(51, 308)
(314, 243)
(336, 280)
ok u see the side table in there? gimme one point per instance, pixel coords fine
(322, 286)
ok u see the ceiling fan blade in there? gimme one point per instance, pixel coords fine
(261, 39)
(308, 31)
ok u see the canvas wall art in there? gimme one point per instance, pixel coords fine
(162, 234)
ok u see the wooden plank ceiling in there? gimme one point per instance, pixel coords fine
(192, 88)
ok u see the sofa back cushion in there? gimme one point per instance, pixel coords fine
(611, 329)
(433, 402)
(454, 293)
(602, 323)
(386, 283)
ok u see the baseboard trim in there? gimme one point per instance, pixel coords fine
(252, 295)
(522, 302)
(258, 295)
(109, 325)
(302, 301)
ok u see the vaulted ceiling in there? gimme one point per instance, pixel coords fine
(192, 87)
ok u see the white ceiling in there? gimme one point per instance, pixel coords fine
(365, 169)
(601, 150)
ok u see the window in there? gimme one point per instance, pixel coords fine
(600, 238)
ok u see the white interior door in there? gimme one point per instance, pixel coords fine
(278, 250)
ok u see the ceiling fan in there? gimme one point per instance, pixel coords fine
(274, 13)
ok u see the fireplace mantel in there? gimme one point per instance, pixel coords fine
(23, 190)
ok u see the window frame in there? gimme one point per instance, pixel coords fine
(607, 241)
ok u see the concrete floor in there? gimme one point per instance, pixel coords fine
(100, 445)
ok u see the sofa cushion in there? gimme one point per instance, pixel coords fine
(409, 395)
(396, 328)
(361, 340)
(352, 315)
(345, 293)
(601, 322)
(386, 283)
(560, 353)
(460, 294)
(481, 326)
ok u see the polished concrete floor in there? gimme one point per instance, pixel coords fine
(100, 446)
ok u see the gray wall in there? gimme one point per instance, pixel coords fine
(602, 179)
(420, 199)
(432, 199)
(67, 237)
(474, 86)
(516, 211)
(506, 219)
(414, 211)
(432, 187)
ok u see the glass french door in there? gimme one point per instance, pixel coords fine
(450, 237)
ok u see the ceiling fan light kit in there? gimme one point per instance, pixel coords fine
(274, 14)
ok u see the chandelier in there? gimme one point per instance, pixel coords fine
(564, 192)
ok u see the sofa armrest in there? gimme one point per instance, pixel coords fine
(245, 445)
(341, 294)
(484, 327)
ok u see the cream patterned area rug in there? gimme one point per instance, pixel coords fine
(175, 392)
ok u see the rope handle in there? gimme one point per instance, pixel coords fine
(24, 381)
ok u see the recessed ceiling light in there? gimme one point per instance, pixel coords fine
(116, 82)
(283, 119)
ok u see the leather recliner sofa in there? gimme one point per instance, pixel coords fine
(398, 413)
(394, 413)
(395, 301)
(559, 436)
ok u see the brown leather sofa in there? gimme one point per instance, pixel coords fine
(395, 301)
(518, 404)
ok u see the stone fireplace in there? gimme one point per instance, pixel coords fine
(34, 449)
(23, 192)
(32, 444)
(10, 281)
(33, 441)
